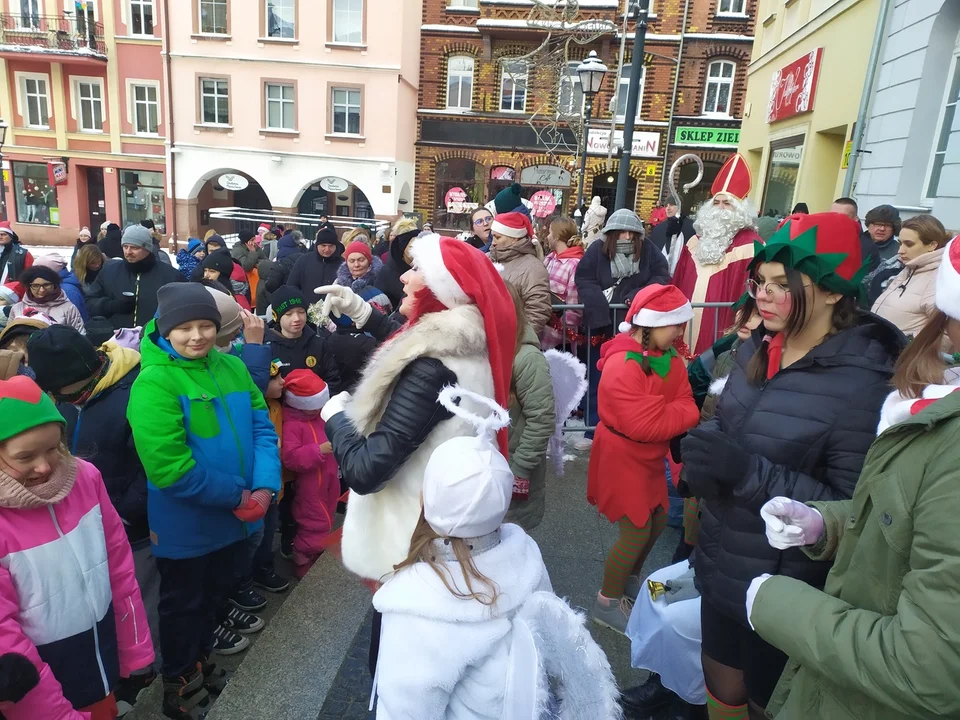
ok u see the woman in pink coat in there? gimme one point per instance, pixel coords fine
(69, 601)
(306, 451)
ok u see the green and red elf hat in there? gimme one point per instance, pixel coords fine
(24, 406)
(824, 246)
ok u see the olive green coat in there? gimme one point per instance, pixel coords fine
(882, 640)
(532, 423)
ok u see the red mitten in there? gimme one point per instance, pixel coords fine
(521, 489)
(255, 507)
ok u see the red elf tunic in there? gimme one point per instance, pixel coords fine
(639, 415)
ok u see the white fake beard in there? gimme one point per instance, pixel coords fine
(716, 226)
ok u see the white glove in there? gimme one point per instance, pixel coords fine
(791, 523)
(752, 595)
(342, 300)
(335, 405)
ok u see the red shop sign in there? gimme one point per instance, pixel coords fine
(793, 87)
(57, 173)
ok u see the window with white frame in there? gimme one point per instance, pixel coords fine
(36, 104)
(146, 108)
(719, 91)
(346, 111)
(89, 104)
(281, 108)
(570, 94)
(731, 7)
(513, 86)
(623, 90)
(30, 11)
(462, 3)
(348, 21)
(460, 83)
(213, 17)
(946, 130)
(141, 17)
(215, 101)
(281, 18)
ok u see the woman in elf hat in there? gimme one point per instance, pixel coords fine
(645, 401)
(795, 419)
(471, 627)
(69, 600)
(514, 247)
(881, 640)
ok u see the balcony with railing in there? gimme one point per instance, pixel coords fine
(51, 37)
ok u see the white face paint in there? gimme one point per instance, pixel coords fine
(716, 224)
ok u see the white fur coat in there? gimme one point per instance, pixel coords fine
(378, 527)
(447, 658)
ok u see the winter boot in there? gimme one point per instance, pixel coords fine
(214, 679)
(185, 698)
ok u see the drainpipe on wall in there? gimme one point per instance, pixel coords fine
(673, 100)
(872, 64)
(171, 165)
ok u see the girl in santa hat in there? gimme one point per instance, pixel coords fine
(855, 647)
(645, 401)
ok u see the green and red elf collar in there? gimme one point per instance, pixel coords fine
(824, 246)
(660, 364)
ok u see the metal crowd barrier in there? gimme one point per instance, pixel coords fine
(588, 353)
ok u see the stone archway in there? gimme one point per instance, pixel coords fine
(225, 187)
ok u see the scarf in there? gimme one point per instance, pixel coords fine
(622, 266)
(80, 397)
(571, 253)
(17, 496)
(660, 364)
(774, 353)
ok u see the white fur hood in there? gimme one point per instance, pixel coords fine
(516, 564)
(897, 408)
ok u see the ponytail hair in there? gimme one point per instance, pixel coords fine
(565, 230)
(921, 364)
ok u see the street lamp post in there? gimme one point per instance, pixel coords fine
(639, 12)
(591, 72)
(3, 189)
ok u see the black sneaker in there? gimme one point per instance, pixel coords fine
(184, 698)
(271, 582)
(286, 548)
(227, 642)
(249, 600)
(129, 691)
(242, 622)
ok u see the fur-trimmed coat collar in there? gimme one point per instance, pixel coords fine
(368, 279)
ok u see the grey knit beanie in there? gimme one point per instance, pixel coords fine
(139, 236)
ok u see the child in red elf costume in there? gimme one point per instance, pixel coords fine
(645, 400)
(306, 451)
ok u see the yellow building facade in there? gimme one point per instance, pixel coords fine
(804, 85)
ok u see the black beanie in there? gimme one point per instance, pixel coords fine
(61, 356)
(220, 261)
(886, 214)
(245, 235)
(285, 299)
(179, 303)
(327, 236)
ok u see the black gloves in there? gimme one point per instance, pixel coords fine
(18, 676)
(713, 462)
(674, 226)
(123, 304)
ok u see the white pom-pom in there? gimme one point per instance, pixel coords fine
(625, 327)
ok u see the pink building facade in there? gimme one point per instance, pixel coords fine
(82, 84)
(308, 106)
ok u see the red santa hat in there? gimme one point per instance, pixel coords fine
(512, 224)
(459, 274)
(263, 229)
(733, 178)
(948, 281)
(657, 306)
(305, 391)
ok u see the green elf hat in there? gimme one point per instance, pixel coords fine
(23, 406)
(825, 246)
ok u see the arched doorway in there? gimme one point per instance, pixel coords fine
(229, 189)
(459, 191)
(605, 187)
(334, 197)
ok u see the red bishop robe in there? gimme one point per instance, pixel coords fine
(724, 282)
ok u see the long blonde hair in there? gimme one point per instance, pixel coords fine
(479, 586)
(81, 263)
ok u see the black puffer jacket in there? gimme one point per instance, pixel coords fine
(312, 270)
(808, 430)
(309, 351)
(143, 279)
(389, 278)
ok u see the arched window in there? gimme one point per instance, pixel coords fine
(459, 82)
(718, 95)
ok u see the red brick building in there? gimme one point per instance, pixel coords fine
(493, 111)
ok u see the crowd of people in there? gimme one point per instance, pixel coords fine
(793, 382)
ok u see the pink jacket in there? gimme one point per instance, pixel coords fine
(69, 600)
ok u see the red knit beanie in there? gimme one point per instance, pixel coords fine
(358, 246)
(459, 274)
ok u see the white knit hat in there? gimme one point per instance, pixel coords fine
(948, 281)
(468, 484)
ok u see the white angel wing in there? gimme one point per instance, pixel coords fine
(569, 379)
